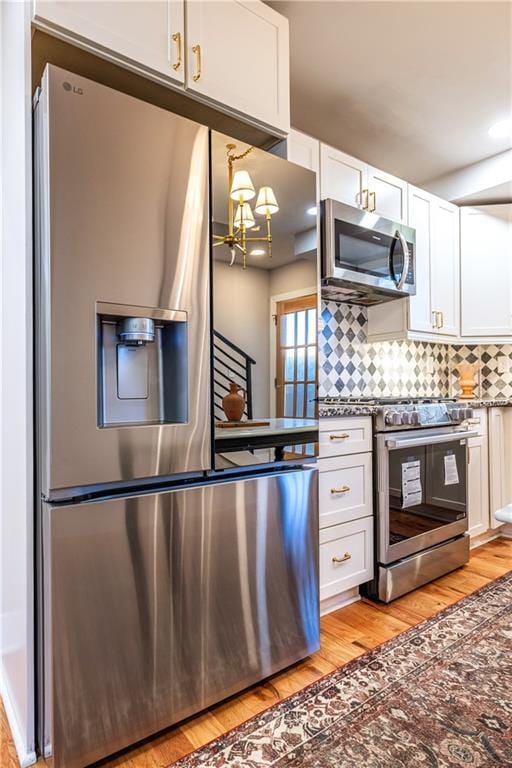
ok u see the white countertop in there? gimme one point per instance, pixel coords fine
(275, 427)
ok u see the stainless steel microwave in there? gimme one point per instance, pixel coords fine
(366, 259)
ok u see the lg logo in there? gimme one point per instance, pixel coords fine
(68, 87)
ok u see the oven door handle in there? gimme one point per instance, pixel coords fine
(393, 442)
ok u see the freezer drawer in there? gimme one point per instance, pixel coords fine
(157, 606)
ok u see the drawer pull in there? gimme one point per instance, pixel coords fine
(345, 557)
(343, 436)
(341, 489)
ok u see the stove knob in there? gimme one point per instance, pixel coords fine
(393, 418)
(407, 417)
(456, 414)
(415, 418)
(468, 413)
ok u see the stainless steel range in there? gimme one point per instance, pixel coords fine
(420, 491)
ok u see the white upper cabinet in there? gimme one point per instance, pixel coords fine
(351, 181)
(342, 177)
(434, 310)
(238, 54)
(486, 270)
(303, 150)
(150, 34)
(420, 311)
(234, 54)
(387, 195)
(444, 267)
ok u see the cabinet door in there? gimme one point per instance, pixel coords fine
(486, 270)
(141, 32)
(420, 314)
(387, 195)
(237, 55)
(342, 177)
(444, 266)
(478, 486)
(303, 150)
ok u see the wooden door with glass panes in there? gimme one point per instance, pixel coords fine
(296, 371)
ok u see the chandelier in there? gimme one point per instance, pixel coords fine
(241, 219)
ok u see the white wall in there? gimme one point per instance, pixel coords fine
(242, 314)
(293, 277)
(469, 185)
(16, 492)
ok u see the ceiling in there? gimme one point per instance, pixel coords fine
(411, 87)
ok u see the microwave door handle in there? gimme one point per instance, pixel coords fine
(393, 443)
(407, 259)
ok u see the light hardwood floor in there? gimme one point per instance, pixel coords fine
(346, 634)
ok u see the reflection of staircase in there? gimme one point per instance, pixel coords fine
(230, 363)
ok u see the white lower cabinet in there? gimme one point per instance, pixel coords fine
(500, 461)
(345, 489)
(478, 476)
(346, 509)
(346, 556)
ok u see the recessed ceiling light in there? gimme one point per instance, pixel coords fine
(501, 130)
(312, 211)
(257, 252)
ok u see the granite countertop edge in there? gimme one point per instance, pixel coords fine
(330, 411)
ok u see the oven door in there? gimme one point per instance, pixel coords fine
(366, 249)
(422, 490)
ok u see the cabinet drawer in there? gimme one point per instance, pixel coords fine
(345, 488)
(346, 556)
(339, 437)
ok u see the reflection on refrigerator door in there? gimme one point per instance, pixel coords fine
(163, 604)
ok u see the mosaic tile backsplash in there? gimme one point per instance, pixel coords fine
(350, 365)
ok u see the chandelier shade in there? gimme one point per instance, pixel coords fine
(242, 188)
(244, 217)
(266, 203)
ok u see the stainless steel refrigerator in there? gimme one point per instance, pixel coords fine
(163, 585)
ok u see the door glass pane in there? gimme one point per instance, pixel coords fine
(301, 352)
(310, 410)
(311, 326)
(311, 363)
(288, 365)
(288, 400)
(299, 408)
(288, 330)
(301, 328)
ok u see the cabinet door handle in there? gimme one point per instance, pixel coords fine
(341, 489)
(197, 50)
(343, 436)
(434, 319)
(364, 199)
(442, 319)
(374, 206)
(176, 38)
(345, 557)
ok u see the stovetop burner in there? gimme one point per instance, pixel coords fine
(341, 400)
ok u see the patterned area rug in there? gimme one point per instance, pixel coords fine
(438, 695)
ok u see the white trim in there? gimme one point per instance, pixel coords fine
(26, 757)
(273, 311)
(336, 602)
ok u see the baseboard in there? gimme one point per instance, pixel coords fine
(25, 757)
(335, 602)
(485, 538)
(506, 531)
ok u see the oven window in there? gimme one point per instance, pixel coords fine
(366, 251)
(427, 489)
